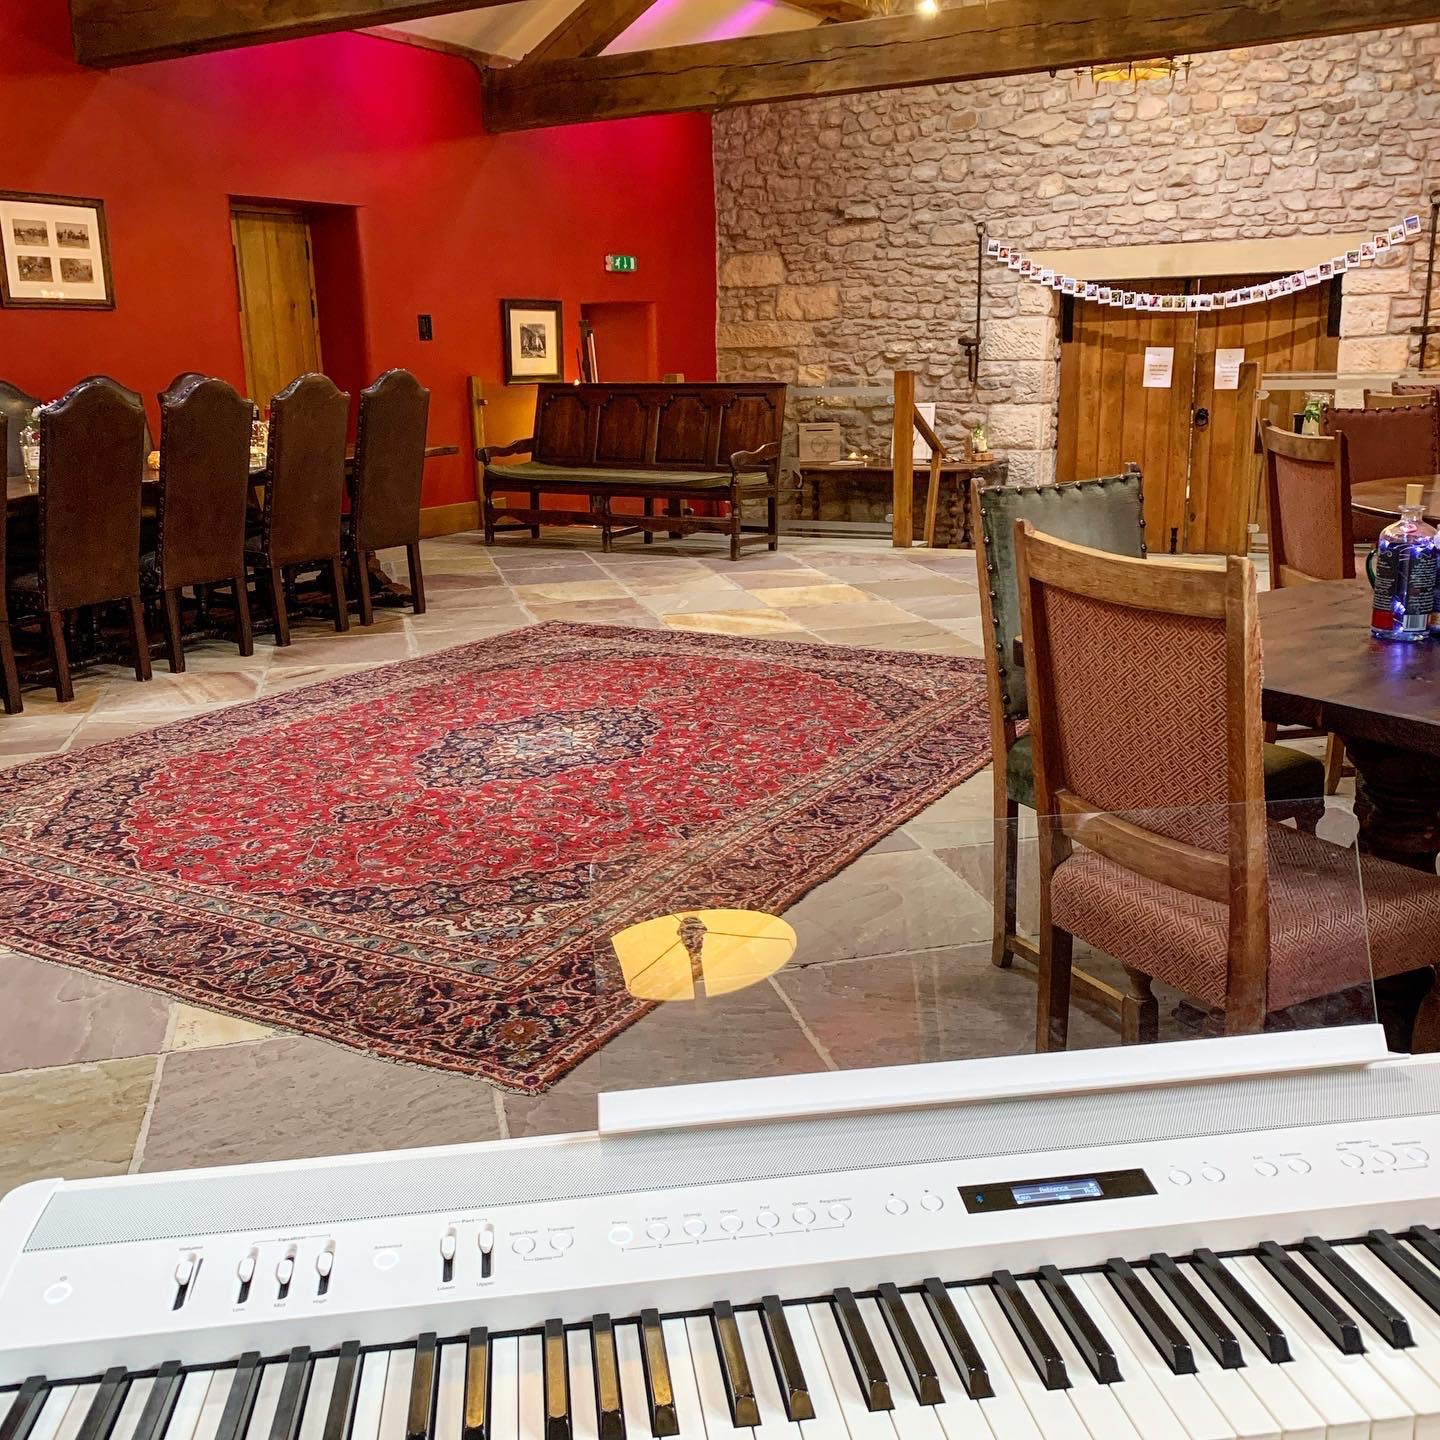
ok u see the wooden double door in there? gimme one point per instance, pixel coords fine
(279, 319)
(1194, 440)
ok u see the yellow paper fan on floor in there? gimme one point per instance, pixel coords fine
(697, 953)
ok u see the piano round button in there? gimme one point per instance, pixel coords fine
(896, 1206)
(1178, 1176)
(1417, 1155)
(658, 1230)
(931, 1201)
(840, 1212)
(1382, 1157)
(523, 1244)
(767, 1219)
(621, 1234)
(1267, 1168)
(803, 1215)
(731, 1223)
(562, 1240)
(1212, 1173)
(386, 1259)
(1299, 1165)
(58, 1293)
(694, 1227)
(1348, 1158)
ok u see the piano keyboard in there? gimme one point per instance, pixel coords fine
(967, 1319)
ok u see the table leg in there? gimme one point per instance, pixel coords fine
(1397, 802)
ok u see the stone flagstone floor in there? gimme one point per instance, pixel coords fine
(893, 964)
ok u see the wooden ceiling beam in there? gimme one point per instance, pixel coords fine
(971, 42)
(588, 29)
(834, 9)
(127, 32)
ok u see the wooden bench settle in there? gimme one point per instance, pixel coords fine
(646, 442)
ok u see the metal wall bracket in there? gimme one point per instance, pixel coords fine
(970, 344)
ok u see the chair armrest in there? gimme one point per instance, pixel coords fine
(761, 459)
(486, 453)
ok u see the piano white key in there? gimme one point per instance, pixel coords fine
(76, 1412)
(912, 1420)
(1096, 1404)
(395, 1407)
(1230, 1394)
(1051, 1409)
(370, 1395)
(449, 1393)
(584, 1419)
(861, 1422)
(829, 1421)
(632, 1381)
(131, 1408)
(530, 1360)
(267, 1398)
(1390, 1417)
(774, 1424)
(1006, 1411)
(960, 1417)
(1159, 1402)
(505, 1390)
(1424, 1323)
(709, 1382)
(682, 1382)
(189, 1404)
(317, 1400)
(53, 1411)
(213, 1408)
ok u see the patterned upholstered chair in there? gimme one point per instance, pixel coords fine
(1311, 525)
(1108, 514)
(1160, 852)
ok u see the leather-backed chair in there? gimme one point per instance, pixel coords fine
(1401, 439)
(389, 466)
(17, 407)
(1105, 514)
(305, 485)
(184, 380)
(9, 676)
(92, 465)
(134, 395)
(200, 514)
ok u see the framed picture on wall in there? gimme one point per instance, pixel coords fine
(55, 252)
(534, 340)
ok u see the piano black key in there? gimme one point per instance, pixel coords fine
(1094, 1348)
(105, 1407)
(341, 1409)
(874, 1385)
(291, 1405)
(1147, 1312)
(24, 1409)
(557, 1383)
(477, 1385)
(734, 1369)
(1418, 1277)
(1217, 1337)
(1039, 1347)
(793, 1386)
(1358, 1292)
(919, 1367)
(420, 1414)
(967, 1360)
(659, 1390)
(608, 1403)
(1246, 1311)
(240, 1402)
(159, 1403)
(1426, 1241)
(1307, 1293)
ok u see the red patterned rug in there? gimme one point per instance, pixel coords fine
(426, 861)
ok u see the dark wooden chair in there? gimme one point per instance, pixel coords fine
(92, 464)
(200, 515)
(305, 484)
(389, 466)
(17, 407)
(184, 380)
(9, 676)
(1155, 844)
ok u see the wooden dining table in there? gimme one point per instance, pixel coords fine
(1385, 497)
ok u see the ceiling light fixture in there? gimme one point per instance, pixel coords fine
(1136, 71)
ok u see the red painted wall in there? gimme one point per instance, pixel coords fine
(449, 219)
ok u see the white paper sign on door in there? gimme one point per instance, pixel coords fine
(1227, 368)
(1159, 366)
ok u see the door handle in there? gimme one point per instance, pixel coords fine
(1201, 418)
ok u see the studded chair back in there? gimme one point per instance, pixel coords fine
(1396, 441)
(183, 381)
(92, 465)
(1307, 499)
(204, 480)
(390, 461)
(17, 408)
(308, 421)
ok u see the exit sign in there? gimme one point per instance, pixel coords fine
(617, 263)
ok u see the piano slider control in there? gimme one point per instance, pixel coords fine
(486, 1241)
(324, 1265)
(447, 1256)
(284, 1274)
(245, 1274)
(185, 1273)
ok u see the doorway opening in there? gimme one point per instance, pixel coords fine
(623, 336)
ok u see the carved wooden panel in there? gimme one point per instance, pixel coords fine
(687, 431)
(750, 421)
(562, 426)
(624, 430)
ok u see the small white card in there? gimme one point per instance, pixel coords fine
(1227, 368)
(1159, 366)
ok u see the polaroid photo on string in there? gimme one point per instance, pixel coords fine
(1367, 250)
(992, 249)
(1102, 294)
(1326, 269)
(1069, 285)
(1339, 265)
(1382, 244)
(1397, 234)
(1027, 266)
(1003, 253)
(1412, 225)
(1014, 261)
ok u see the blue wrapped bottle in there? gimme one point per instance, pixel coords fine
(1403, 574)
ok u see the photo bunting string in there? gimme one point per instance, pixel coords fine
(1367, 253)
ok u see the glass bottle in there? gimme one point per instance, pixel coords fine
(1403, 574)
(30, 451)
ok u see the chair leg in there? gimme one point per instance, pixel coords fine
(489, 517)
(1007, 854)
(735, 527)
(9, 675)
(673, 508)
(362, 588)
(649, 515)
(277, 605)
(1334, 762)
(337, 589)
(244, 630)
(140, 640)
(59, 655)
(534, 505)
(772, 521)
(170, 618)
(417, 578)
(1140, 1012)
(1052, 996)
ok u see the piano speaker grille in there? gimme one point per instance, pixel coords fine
(321, 1193)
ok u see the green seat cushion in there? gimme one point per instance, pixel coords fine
(1290, 774)
(534, 475)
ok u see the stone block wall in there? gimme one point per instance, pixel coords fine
(846, 226)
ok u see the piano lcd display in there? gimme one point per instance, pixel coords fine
(1055, 1190)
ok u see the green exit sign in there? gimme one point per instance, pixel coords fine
(618, 263)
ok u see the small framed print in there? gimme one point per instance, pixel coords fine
(55, 252)
(534, 333)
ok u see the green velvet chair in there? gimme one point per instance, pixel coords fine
(1105, 514)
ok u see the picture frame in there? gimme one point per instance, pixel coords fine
(534, 332)
(54, 252)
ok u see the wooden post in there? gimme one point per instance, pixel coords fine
(902, 461)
